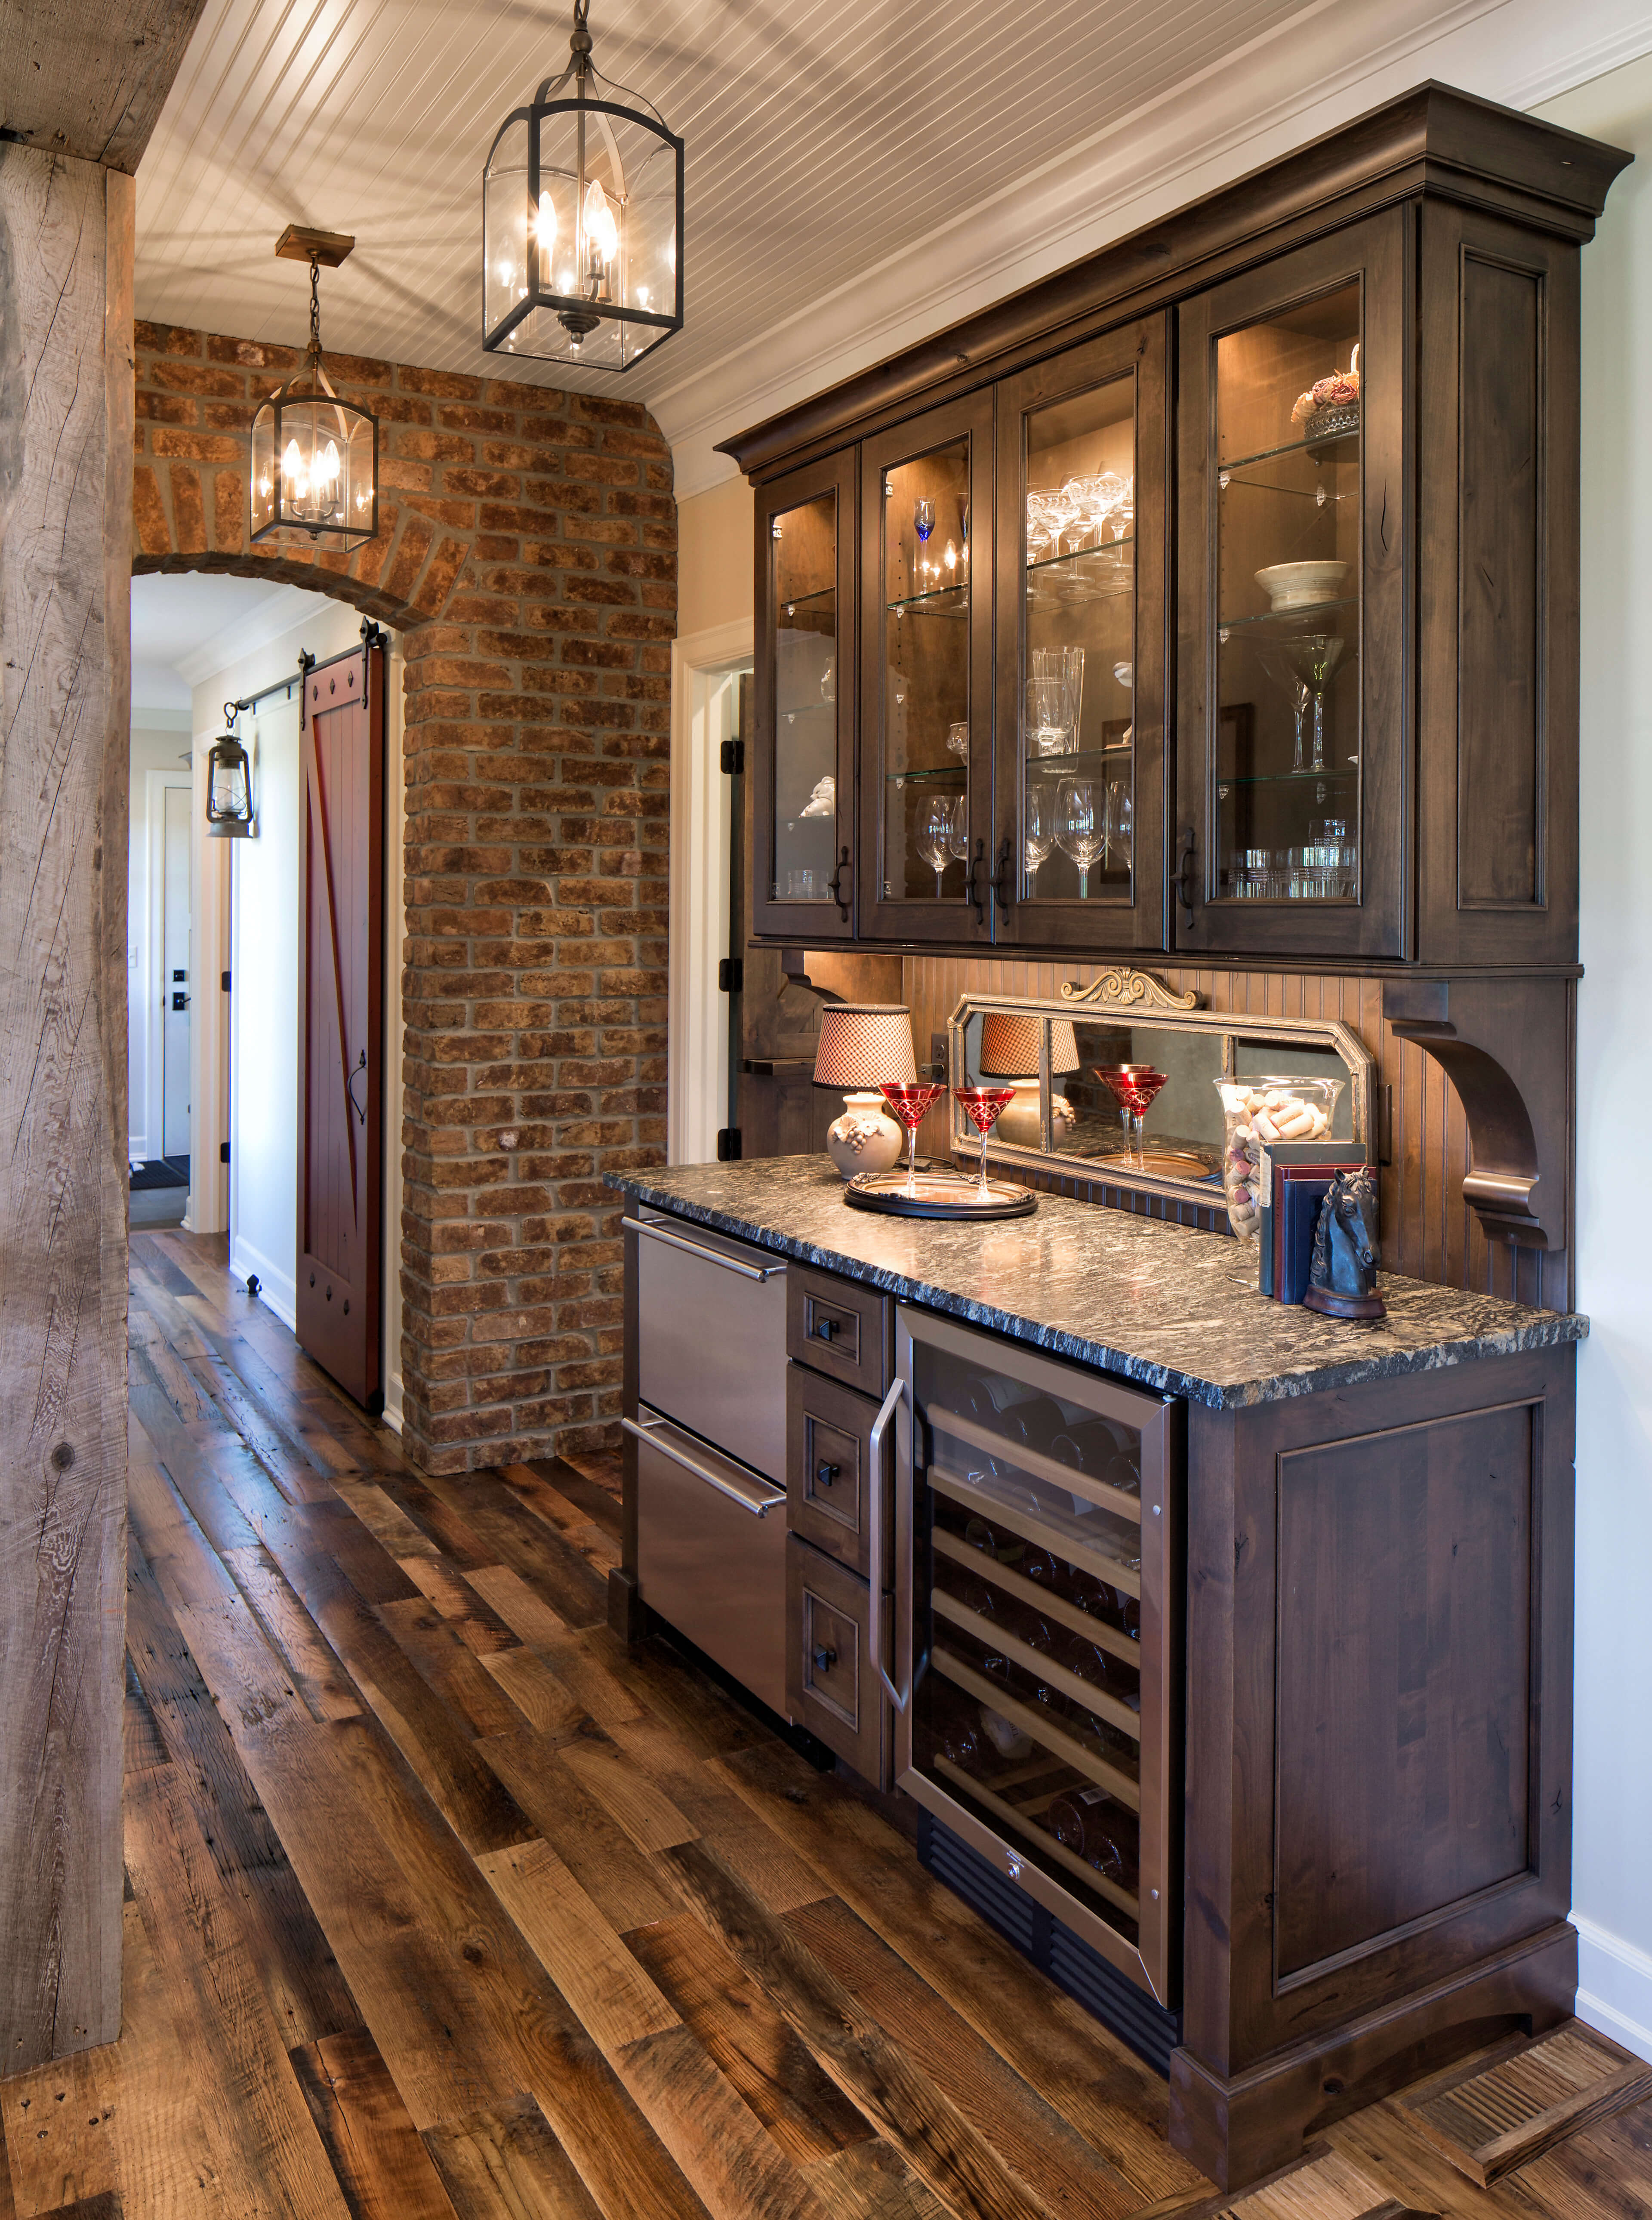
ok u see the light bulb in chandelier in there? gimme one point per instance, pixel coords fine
(601, 233)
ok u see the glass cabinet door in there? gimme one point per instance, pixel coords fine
(1080, 711)
(926, 712)
(804, 774)
(1291, 728)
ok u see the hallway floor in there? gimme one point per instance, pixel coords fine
(441, 1904)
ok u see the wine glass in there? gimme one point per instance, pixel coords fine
(980, 1105)
(957, 740)
(1061, 506)
(1120, 823)
(1122, 510)
(957, 836)
(923, 520)
(935, 837)
(1079, 834)
(1038, 831)
(910, 1104)
(1132, 1087)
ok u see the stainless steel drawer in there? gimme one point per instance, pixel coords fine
(711, 1338)
(711, 1553)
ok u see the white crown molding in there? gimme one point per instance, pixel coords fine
(167, 717)
(265, 620)
(1327, 65)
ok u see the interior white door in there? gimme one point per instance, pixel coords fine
(174, 971)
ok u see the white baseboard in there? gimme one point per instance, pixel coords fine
(1614, 1986)
(277, 1290)
(391, 1413)
(137, 1148)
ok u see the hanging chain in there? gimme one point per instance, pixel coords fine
(315, 308)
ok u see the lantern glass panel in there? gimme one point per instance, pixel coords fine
(227, 791)
(263, 486)
(508, 225)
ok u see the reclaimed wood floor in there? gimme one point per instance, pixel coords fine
(443, 1905)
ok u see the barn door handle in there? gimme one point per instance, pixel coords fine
(360, 1108)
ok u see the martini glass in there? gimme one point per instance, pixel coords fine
(1132, 1087)
(910, 1104)
(980, 1107)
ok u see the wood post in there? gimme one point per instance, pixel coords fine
(65, 491)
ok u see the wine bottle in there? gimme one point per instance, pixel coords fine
(1101, 1670)
(1090, 1823)
(1002, 1542)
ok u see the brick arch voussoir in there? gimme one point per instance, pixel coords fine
(295, 570)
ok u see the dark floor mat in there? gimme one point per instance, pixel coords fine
(161, 1171)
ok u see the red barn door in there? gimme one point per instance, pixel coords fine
(341, 1021)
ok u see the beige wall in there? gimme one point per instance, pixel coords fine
(713, 558)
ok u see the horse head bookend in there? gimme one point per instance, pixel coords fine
(1341, 1278)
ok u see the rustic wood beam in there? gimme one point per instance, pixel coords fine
(88, 77)
(65, 481)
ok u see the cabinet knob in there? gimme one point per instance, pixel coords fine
(826, 1327)
(824, 1660)
(825, 1475)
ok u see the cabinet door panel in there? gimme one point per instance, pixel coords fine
(927, 700)
(1083, 548)
(804, 737)
(1294, 728)
(1498, 867)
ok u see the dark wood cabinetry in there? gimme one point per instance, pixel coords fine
(1365, 611)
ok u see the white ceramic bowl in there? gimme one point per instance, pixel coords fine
(1301, 585)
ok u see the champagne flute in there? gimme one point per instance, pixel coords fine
(910, 1104)
(1078, 833)
(923, 520)
(980, 1105)
(935, 837)
(1038, 831)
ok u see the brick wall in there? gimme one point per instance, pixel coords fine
(528, 548)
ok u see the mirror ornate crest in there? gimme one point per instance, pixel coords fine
(1116, 1081)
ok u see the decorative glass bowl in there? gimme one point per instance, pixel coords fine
(1256, 1112)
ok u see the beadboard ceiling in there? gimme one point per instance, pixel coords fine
(859, 171)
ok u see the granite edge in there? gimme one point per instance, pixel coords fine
(1548, 1329)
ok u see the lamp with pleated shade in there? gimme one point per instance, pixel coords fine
(1009, 1050)
(861, 1046)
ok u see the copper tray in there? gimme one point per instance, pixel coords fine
(942, 1193)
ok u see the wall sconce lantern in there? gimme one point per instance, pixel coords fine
(315, 457)
(581, 223)
(229, 785)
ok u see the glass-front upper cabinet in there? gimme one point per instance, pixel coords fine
(1293, 723)
(926, 705)
(802, 781)
(1079, 856)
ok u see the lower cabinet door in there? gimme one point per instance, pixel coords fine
(831, 1688)
(826, 1430)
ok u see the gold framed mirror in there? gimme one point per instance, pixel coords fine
(1118, 1082)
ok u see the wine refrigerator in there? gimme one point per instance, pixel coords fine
(1037, 1629)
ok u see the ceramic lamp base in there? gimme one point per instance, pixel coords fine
(865, 1138)
(1018, 1121)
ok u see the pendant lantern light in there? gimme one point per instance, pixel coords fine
(315, 457)
(229, 785)
(582, 222)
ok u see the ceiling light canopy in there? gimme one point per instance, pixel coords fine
(315, 457)
(582, 222)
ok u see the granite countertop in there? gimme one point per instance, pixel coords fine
(1161, 1305)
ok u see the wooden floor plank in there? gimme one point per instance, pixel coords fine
(606, 1986)
(549, 1707)
(628, 1797)
(513, 1536)
(602, 1505)
(242, 1408)
(529, 1618)
(141, 1738)
(932, 2135)
(326, 1688)
(376, 2152)
(449, 1668)
(873, 2182)
(506, 2164)
(621, 1880)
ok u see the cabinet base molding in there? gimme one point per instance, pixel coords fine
(1237, 2128)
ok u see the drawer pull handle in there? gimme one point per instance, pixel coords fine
(826, 1327)
(825, 1475)
(651, 1232)
(824, 1660)
(650, 1431)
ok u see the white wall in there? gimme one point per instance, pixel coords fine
(263, 1014)
(256, 1108)
(161, 739)
(1612, 1828)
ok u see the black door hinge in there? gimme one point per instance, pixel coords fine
(731, 756)
(728, 1145)
(223, 981)
(223, 1152)
(730, 974)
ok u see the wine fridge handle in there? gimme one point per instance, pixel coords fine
(875, 1540)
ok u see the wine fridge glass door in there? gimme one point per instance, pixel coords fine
(1041, 1718)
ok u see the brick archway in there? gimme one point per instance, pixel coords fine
(527, 553)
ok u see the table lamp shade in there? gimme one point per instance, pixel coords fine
(1009, 1045)
(863, 1044)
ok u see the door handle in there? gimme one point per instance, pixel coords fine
(834, 886)
(977, 902)
(1002, 880)
(360, 1108)
(1184, 869)
(875, 1540)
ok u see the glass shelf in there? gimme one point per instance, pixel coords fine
(819, 599)
(939, 602)
(1279, 619)
(1288, 777)
(1059, 765)
(1313, 447)
(923, 777)
(1080, 554)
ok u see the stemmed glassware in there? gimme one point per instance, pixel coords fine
(957, 740)
(957, 833)
(1038, 830)
(1061, 508)
(935, 837)
(1132, 1087)
(923, 520)
(1304, 666)
(1079, 833)
(980, 1105)
(1121, 822)
(910, 1103)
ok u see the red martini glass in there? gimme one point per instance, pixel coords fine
(980, 1105)
(911, 1106)
(1132, 1085)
